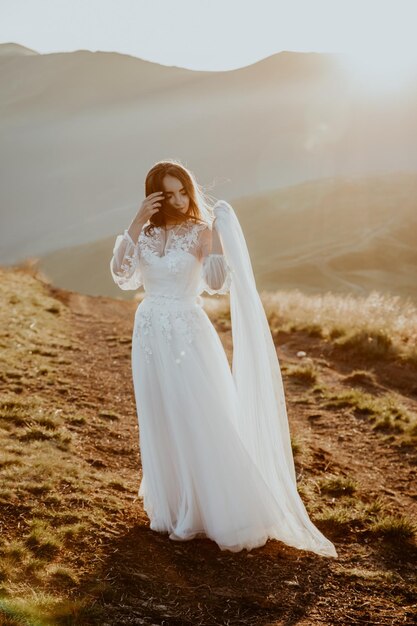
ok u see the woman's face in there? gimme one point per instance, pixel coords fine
(175, 194)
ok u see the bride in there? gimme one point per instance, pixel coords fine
(215, 443)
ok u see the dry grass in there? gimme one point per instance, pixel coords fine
(376, 325)
(296, 446)
(48, 491)
(394, 527)
(360, 377)
(45, 556)
(44, 609)
(305, 373)
(338, 485)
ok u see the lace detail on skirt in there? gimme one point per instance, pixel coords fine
(175, 319)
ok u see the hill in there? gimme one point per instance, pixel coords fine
(80, 131)
(341, 235)
(76, 545)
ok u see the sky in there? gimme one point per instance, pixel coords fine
(218, 35)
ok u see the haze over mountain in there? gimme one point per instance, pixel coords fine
(80, 130)
(343, 235)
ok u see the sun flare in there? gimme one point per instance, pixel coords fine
(381, 70)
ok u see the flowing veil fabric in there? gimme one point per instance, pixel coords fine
(263, 422)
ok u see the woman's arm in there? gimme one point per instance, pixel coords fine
(124, 265)
(123, 251)
(147, 209)
(216, 274)
(135, 228)
(216, 245)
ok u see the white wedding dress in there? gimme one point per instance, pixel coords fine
(216, 460)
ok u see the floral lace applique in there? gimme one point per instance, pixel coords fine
(143, 328)
(180, 242)
(176, 263)
(187, 240)
(148, 246)
(171, 322)
(129, 264)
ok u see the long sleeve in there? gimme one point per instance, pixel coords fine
(124, 265)
(216, 275)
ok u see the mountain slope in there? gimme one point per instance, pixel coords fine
(342, 235)
(80, 131)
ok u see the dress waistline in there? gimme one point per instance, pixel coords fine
(172, 300)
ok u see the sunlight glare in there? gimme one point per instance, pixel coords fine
(381, 70)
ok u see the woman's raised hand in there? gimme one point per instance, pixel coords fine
(150, 206)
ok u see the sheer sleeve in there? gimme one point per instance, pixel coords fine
(124, 265)
(216, 275)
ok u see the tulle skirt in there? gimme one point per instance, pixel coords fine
(198, 479)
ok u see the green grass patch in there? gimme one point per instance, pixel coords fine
(109, 415)
(15, 411)
(373, 345)
(394, 527)
(338, 485)
(296, 446)
(305, 373)
(360, 377)
(42, 540)
(43, 609)
(353, 514)
(386, 411)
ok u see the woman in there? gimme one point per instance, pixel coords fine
(215, 444)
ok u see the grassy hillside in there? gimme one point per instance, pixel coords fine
(340, 235)
(75, 544)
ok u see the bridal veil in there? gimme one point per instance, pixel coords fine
(263, 422)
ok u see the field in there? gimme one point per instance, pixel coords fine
(75, 544)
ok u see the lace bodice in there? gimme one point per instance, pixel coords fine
(175, 262)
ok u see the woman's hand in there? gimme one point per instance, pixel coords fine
(148, 207)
